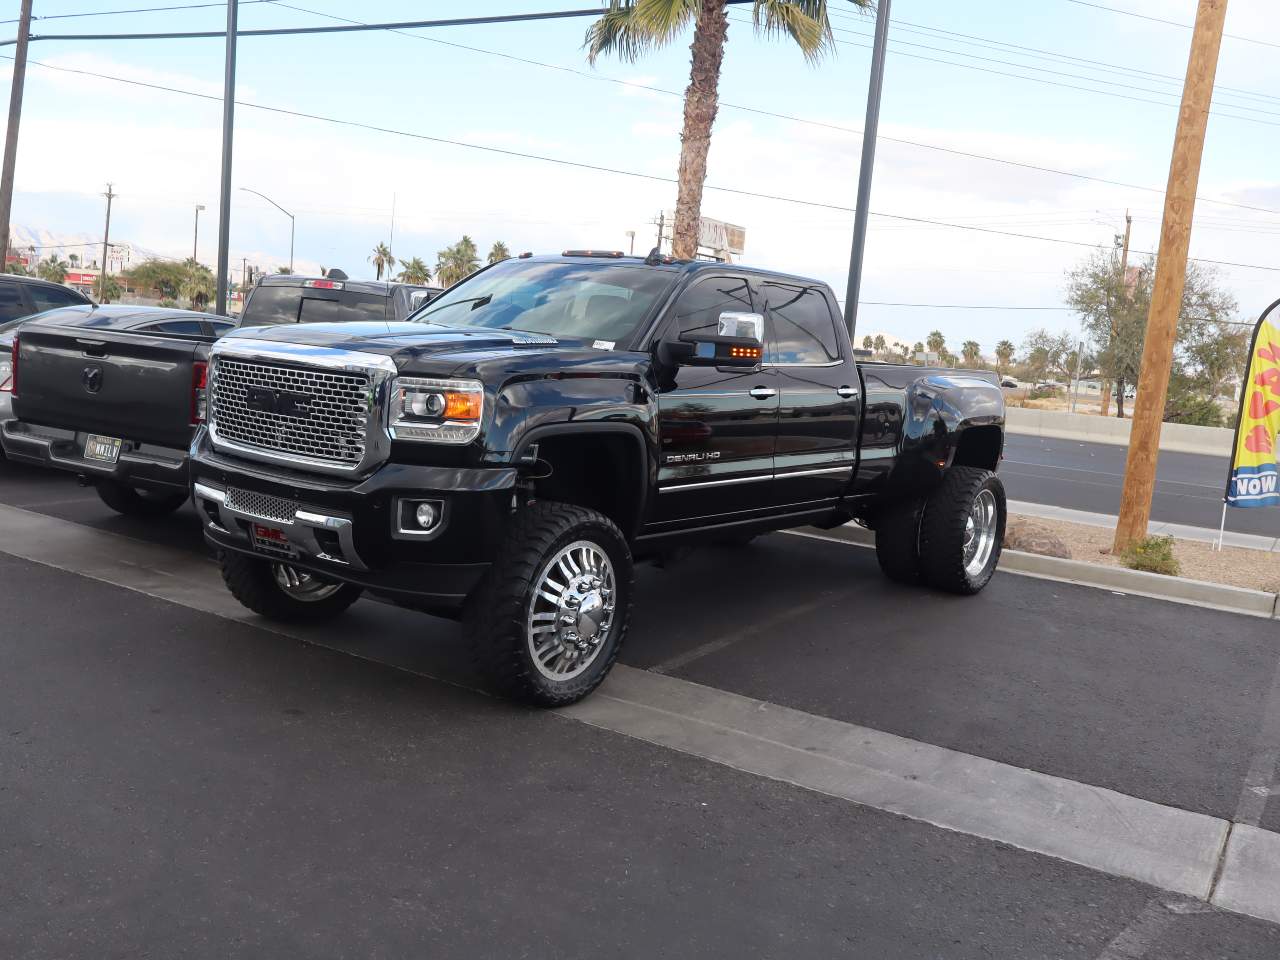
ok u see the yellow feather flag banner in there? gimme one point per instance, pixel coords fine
(1253, 464)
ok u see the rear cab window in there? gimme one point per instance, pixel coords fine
(799, 326)
(12, 306)
(273, 305)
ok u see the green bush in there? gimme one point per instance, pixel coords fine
(1042, 393)
(168, 303)
(1154, 555)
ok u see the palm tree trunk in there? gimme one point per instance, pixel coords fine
(701, 101)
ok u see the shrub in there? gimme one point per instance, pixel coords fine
(168, 303)
(1154, 555)
(1042, 393)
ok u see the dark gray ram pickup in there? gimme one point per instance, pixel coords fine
(507, 454)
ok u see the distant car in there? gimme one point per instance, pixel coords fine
(289, 298)
(20, 299)
(1008, 382)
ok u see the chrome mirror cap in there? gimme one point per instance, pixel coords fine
(746, 326)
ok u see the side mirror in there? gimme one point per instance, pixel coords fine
(738, 342)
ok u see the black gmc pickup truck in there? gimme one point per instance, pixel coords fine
(505, 455)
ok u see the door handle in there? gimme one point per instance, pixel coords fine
(763, 393)
(847, 392)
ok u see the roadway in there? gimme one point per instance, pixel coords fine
(182, 779)
(1089, 476)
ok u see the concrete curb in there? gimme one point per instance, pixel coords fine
(1199, 593)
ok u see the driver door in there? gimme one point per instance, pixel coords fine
(717, 425)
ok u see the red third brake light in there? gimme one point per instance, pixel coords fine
(199, 392)
(322, 284)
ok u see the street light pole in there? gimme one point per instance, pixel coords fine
(228, 128)
(195, 243)
(292, 221)
(874, 88)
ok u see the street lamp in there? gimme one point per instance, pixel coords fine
(631, 235)
(195, 244)
(292, 222)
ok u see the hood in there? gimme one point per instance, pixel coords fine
(403, 342)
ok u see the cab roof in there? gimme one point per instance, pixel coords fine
(669, 265)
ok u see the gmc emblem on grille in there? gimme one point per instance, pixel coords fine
(266, 400)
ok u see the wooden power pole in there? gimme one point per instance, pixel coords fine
(11, 135)
(1171, 275)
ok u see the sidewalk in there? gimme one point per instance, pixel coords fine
(1180, 531)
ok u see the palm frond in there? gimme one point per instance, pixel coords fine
(804, 21)
(631, 28)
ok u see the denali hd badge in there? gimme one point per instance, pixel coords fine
(693, 457)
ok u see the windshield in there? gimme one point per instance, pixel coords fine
(594, 301)
(269, 305)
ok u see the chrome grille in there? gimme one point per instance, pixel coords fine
(261, 505)
(330, 426)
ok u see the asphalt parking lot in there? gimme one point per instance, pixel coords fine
(178, 783)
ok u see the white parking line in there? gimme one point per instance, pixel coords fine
(1170, 848)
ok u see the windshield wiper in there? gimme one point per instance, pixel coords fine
(476, 303)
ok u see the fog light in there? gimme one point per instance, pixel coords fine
(427, 515)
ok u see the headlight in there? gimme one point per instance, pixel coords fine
(437, 411)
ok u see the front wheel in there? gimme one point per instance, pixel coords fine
(132, 502)
(282, 592)
(962, 531)
(547, 623)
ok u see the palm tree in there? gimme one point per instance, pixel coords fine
(198, 285)
(1004, 354)
(867, 343)
(879, 344)
(971, 351)
(499, 252)
(382, 260)
(53, 268)
(457, 262)
(414, 271)
(631, 28)
(937, 342)
(73, 259)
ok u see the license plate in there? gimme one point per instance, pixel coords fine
(271, 539)
(106, 449)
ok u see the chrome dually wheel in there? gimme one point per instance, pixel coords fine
(980, 532)
(571, 610)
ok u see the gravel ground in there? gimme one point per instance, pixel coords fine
(1236, 566)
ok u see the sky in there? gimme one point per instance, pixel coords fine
(786, 129)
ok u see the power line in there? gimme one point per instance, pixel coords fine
(782, 116)
(1171, 23)
(954, 306)
(599, 168)
(1056, 83)
(112, 13)
(1015, 49)
(348, 28)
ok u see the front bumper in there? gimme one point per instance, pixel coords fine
(143, 466)
(348, 529)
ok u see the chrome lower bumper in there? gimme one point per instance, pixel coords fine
(310, 534)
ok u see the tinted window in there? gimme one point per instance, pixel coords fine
(221, 327)
(698, 309)
(273, 305)
(12, 305)
(588, 300)
(190, 327)
(47, 298)
(801, 329)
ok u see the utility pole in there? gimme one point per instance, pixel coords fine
(11, 136)
(662, 226)
(1171, 275)
(228, 128)
(863, 210)
(106, 238)
(631, 235)
(195, 243)
(1124, 293)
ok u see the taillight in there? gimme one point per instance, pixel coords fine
(9, 370)
(199, 392)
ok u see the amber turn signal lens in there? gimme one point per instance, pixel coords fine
(746, 353)
(462, 406)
